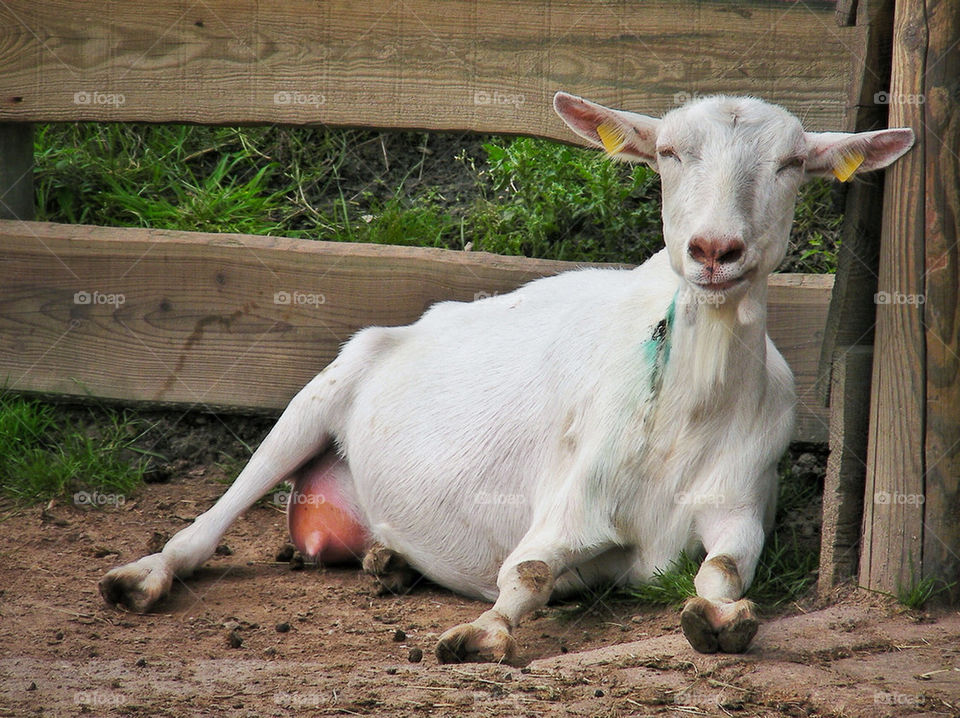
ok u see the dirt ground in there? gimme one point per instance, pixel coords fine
(251, 637)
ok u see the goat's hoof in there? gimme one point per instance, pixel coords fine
(696, 625)
(391, 573)
(727, 627)
(737, 633)
(138, 585)
(486, 640)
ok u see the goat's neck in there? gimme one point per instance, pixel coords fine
(717, 353)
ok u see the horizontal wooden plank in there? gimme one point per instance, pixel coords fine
(237, 321)
(482, 65)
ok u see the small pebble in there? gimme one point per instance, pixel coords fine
(234, 640)
(296, 562)
(415, 655)
(32, 686)
(391, 671)
(598, 693)
(283, 627)
(223, 550)
(399, 636)
(285, 553)
(58, 636)
(141, 662)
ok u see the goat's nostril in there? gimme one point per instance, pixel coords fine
(697, 251)
(715, 250)
(731, 255)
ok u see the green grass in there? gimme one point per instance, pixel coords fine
(43, 457)
(786, 569)
(544, 199)
(916, 594)
(505, 195)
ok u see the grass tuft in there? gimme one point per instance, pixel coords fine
(916, 594)
(42, 458)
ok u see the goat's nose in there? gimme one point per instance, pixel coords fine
(713, 252)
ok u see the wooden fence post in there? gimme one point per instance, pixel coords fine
(912, 498)
(845, 355)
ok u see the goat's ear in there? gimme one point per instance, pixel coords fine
(842, 154)
(624, 135)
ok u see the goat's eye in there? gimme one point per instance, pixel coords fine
(792, 163)
(668, 152)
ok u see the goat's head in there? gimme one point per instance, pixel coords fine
(730, 169)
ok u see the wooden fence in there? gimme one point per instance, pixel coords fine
(199, 323)
(234, 321)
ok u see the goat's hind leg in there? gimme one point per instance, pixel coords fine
(301, 432)
(392, 575)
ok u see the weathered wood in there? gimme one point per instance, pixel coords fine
(846, 12)
(16, 171)
(852, 310)
(845, 371)
(846, 468)
(199, 319)
(941, 312)
(485, 65)
(891, 556)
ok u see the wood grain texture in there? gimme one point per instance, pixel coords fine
(893, 511)
(846, 468)
(941, 312)
(852, 310)
(200, 324)
(483, 65)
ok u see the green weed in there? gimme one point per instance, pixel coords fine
(42, 457)
(505, 195)
(916, 593)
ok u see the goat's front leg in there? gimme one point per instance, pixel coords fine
(717, 618)
(525, 581)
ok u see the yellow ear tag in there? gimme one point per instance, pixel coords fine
(612, 137)
(846, 165)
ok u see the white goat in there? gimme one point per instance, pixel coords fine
(585, 428)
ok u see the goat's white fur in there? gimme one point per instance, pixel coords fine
(549, 425)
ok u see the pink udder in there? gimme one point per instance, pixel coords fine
(322, 525)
